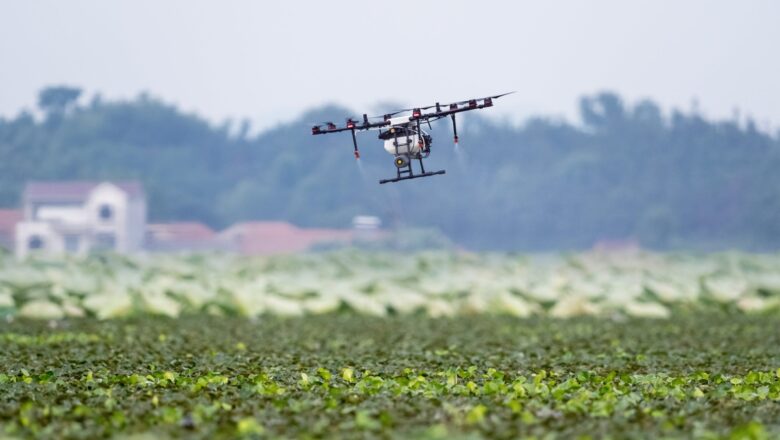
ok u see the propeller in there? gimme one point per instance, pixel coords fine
(482, 99)
(503, 94)
(317, 128)
(387, 116)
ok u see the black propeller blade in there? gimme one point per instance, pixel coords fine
(387, 116)
(467, 101)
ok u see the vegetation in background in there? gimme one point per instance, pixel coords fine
(629, 172)
(347, 376)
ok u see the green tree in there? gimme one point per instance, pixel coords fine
(57, 100)
(630, 172)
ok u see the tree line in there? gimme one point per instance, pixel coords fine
(627, 172)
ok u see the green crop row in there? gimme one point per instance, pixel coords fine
(351, 376)
(467, 397)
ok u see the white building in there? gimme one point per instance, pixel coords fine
(79, 217)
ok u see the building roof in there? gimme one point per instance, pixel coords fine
(74, 190)
(180, 231)
(8, 220)
(265, 238)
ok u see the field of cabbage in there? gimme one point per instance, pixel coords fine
(379, 345)
(379, 284)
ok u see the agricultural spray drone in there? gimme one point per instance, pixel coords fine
(403, 135)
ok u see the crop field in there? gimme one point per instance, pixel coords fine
(380, 284)
(365, 345)
(350, 376)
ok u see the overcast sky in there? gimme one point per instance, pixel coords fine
(271, 60)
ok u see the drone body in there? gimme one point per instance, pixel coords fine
(404, 137)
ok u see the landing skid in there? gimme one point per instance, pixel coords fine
(412, 176)
(405, 171)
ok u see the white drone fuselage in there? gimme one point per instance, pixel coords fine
(408, 145)
(407, 141)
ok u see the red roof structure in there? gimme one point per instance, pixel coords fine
(181, 237)
(8, 220)
(181, 231)
(267, 238)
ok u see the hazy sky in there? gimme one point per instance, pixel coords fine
(271, 60)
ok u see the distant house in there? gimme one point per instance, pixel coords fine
(267, 238)
(8, 220)
(367, 228)
(181, 236)
(79, 217)
(366, 223)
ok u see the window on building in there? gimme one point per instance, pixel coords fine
(106, 213)
(35, 242)
(71, 243)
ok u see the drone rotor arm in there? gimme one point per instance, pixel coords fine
(320, 129)
(418, 113)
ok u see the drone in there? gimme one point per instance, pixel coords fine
(403, 135)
